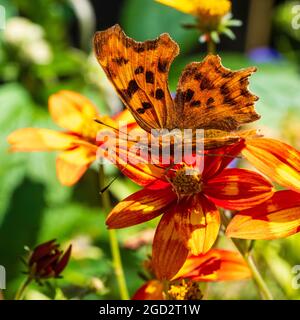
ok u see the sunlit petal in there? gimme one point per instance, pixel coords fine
(72, 164)
(278, 217)
(238, 189)
(168, 251)
(277, 160)
(140, 207)
(34, 139)
(197, 221)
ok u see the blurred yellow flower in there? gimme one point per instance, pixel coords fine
(213, 18)
(204, 9)
(77, 143)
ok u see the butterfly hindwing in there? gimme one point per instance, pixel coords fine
(139, 72)
(210, 96)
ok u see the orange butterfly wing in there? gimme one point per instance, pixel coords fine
(210, 96)
(139, 72)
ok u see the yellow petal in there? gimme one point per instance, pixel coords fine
(72, 111)
(72, 164)
(277, 160)
(188, 6)
(140, 207)
(197, 221)
(215, 265)
(278, 217)
(201, 8)
(34, 139)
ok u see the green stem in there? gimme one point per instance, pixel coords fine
(211, 46)
(246, 253)
(20, 293)
(260, 283)
(113, 240)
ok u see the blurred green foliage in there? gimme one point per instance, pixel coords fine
(34, 207)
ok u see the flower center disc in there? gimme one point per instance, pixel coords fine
(187, 181)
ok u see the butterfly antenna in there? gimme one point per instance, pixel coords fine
(112, 181)
(221, 155)
(109, 184)
(110, 126)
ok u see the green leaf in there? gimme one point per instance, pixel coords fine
(16, 111)
(147, 19)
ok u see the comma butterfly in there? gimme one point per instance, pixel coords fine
(208, 96)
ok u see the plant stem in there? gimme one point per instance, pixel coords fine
(20, 293)
(260, 283)
(113, 240)
(211, 46)
(245, 252)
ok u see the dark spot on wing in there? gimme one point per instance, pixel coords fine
(188, 95)
(162, 65)
(195, 103)
(198, 76)
(139, 70)
(149, 77)
(132, 88)
(206, 84)
(159, 94)
(229, 101)
(151, 45)
(244, 81)
(224, 90)
(139, 48)
(227, 74)
(140, 110)
(146, 105)
(145, 46)
(188, 73)
(210, 100)
(246, 93)
(120, 61)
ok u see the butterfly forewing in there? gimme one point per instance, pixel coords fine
(139, 72)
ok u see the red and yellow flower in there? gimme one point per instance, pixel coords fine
(190, 221)
(77, 143)
(215, 265)
(279, 216)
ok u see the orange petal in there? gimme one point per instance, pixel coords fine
(125, 116)
(238, 189)
(168, 251)
(139, 207)
(197, 221)
(123, 154)
(215, 265)
(217, 160)
(278, 217)
(71, 111)
(277, 160)
(72, 164)
(151, 290)
(34, 139)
